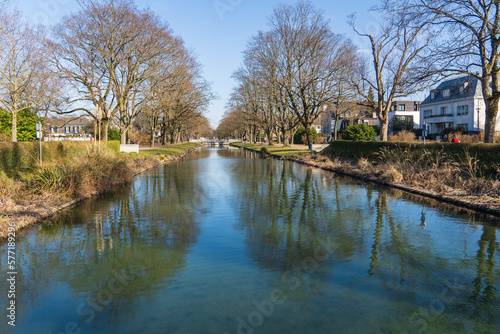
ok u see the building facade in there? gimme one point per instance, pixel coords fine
(353, 113)
(65, 128)
(455, 103)
(406, 111)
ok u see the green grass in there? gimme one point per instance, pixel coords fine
(169, 151)
(284, 151)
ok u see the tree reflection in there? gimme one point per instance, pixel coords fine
(284, 209)
(144, 231)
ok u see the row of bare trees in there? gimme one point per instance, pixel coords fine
(297, 68)
(111, 61)
(289, 73)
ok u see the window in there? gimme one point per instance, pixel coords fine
(443, 111)
(427, 113)
(401, 107)
(463, 126)
(401, 122)
(433, 95)
(461, 89)
(462, 110)
(446, 93)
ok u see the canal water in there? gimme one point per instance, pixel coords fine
(226, 242)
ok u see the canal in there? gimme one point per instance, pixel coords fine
(226, 242)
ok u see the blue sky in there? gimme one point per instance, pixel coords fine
(217, 30)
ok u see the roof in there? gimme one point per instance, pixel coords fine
(67, 121)
(454, 85)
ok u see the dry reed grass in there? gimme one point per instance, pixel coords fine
(403, 136)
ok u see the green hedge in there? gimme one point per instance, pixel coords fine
(487, 154)
(16, 158)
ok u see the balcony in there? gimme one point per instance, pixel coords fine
(435, 116)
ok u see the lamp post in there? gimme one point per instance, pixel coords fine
(424, 132)
(39, 137)
(478, 111)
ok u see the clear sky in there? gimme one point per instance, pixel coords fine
(217, 30)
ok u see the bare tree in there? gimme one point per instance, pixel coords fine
(400, 67)
(261, 55)
(26, 82)
(345, 94)
(74, 54)
(310, 56)
(470, 46)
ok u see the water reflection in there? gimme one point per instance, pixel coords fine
(379, 240)
(196, 245)
(138, 240)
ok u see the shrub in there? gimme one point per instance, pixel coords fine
(359, 132)
(464, 138)
(113, 134)
(26, 125)
(300, 136)
(448, 131)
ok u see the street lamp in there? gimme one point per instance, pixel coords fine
(478, 110)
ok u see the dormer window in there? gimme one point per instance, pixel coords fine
(446, 93)
(462, 87)
(433, 95)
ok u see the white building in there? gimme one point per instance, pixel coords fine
(406, 110)
(455, 103)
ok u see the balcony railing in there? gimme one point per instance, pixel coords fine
(443, 115)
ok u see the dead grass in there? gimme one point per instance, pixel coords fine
(432, 171)
(403, 136)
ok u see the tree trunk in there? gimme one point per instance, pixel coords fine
(285, 138)
(491, 120)
(123, 136)
(14, 126)
(384, 129)
(152, 138)
(309, 137)
(104, 129)
(269, 134)
(336, 130)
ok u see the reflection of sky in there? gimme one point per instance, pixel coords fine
(210, 235)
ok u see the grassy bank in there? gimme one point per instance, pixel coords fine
(70, 170)
(168, 151)
(452, 175)
(271, 149)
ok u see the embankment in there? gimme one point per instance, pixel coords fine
(450, 173)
